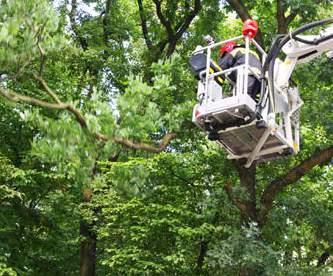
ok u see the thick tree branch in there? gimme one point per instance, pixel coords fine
(47, 88)
(295, 174)
(106, 22)
(234, 200)
(144, 25)
(283, 21)
(78, 116)
(201, 257)
(187, 21)
(72, 19)
(244, 14)
(183, 26)
(165, 22)
(15, 97)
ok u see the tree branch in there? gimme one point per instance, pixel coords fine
(15, 97)
(244, 14)
(291, 17)
(146, 147)
(295, 174)
(72, 19)
(144, 25)
(240, 205)
(166, 23)
(47, 88)
(183, 26)
(42, 57)
(187, 21)
(106, 22)
(283, 21)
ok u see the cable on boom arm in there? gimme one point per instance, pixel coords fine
(281, 40)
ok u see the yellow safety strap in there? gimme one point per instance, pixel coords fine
(243, 51)
(211, 70)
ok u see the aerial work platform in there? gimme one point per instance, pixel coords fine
(266, 127)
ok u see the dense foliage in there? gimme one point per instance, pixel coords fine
(102, 171)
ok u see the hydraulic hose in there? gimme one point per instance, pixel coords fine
(280, 41)
(315, 41)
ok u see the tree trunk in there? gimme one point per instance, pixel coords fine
(246, 271)
(87, 250)
(88, 243)
(201, 257)
(248, 183)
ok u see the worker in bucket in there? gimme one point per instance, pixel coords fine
(232, 55)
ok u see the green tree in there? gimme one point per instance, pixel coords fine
(80, 177)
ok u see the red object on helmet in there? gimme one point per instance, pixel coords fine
(227, 47)
(250, 28)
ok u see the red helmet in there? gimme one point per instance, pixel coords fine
(227, 47)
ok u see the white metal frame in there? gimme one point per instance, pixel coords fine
(285, 131)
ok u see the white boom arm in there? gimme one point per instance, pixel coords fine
(298, 52)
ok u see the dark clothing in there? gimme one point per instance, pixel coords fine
(237, 57)
(198, 64)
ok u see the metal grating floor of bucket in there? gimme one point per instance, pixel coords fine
(243, 140)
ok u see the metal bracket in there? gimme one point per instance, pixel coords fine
(258, 147)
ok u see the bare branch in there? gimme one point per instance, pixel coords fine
(78, 116)
(144, 25)
(41, 50)
(47, 88)
(295, 174)
(146, 147)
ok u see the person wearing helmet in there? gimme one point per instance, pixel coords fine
(232, 55)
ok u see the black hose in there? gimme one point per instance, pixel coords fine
(270, 53)
(286, 38)
(315, 41)
(280, 42)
